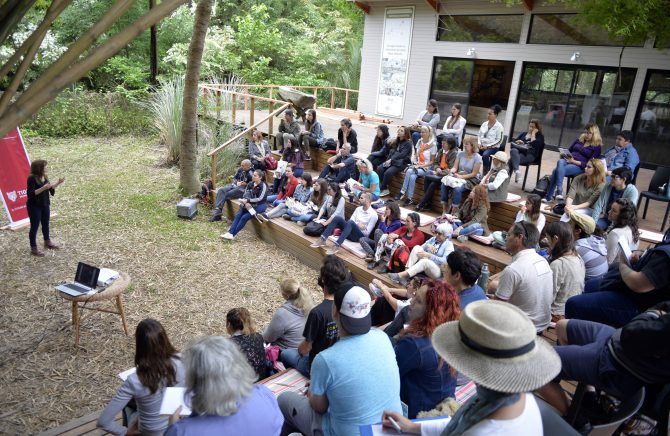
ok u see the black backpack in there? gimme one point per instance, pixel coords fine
(329, 144)
(542, 186)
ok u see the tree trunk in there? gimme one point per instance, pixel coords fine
(153, 50)
(188, 152)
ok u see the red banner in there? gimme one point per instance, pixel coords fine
(14, 170)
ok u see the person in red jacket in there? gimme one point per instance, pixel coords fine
(398, 244)
(287, 185)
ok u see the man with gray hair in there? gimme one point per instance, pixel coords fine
(340, 167)
(233, 190)
(527, 282)
(289, 129)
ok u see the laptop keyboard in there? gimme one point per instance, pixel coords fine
(76, 287)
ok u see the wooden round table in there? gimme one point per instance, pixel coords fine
(111, 292)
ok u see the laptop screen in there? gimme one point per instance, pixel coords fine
(87, 275)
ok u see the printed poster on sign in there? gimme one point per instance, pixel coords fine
(395, 61)
(14, 170)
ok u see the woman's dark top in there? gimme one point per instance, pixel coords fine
(38, 200)
(535, 146)
(253, 348)
(352, 139)
(402, 155)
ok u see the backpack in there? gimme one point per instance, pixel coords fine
(329, 144)
(542, 186)
(399, 259)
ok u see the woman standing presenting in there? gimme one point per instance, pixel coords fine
(38, 203)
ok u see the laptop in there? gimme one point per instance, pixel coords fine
(85, 281)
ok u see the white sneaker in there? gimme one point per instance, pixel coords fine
(227, 236)
(559, 197)
(544, 200)
(517, 176)
(318, 244)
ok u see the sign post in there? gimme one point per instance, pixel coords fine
(14, 170)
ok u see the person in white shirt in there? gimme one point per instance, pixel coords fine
(531, 212)
(527, 282)
(495, 345)
(361, 223)
(623, 216)
(490, 136)
(455, 124)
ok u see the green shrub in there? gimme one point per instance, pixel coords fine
(79, 113)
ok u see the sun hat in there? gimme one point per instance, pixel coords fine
(585, 222)
(496, 345)
(353, 304)
(501, 156)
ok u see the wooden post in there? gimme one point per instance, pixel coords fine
(213, 169)
(346, 100)
(270, 89)
(119, 305)
(271, 121)
(332, 98)
(234, 106)
(218, 105)
(75, 322)
(252, 110)
(316, 90)
(246, 100)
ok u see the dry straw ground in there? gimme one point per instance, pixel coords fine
(117, 209)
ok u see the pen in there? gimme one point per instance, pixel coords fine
(394, 424)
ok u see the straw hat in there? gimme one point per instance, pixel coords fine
(495, 344)
(501, 156)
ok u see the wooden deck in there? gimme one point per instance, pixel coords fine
(80, 426)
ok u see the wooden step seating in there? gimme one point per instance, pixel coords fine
(80, 426)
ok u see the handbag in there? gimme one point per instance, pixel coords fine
(313, 228)
(270, 163)
(453, 182)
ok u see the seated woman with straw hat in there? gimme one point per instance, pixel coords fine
(495, 345)
(497, 179)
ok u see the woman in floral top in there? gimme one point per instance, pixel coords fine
(242, 332)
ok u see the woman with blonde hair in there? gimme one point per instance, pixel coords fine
(243, 332)
(582, 150)
(468, 167)
(287, 324)
(586, 188)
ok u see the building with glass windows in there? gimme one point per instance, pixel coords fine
(536, 61)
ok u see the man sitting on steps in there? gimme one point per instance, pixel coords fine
(339, 167)
(233, 190)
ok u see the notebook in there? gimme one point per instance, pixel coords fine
(85, 281)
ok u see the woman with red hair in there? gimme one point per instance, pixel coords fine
(425, 379)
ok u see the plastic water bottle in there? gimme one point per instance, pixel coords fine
(484, 277)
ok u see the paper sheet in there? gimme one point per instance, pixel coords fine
(172, 399)
(124, 375)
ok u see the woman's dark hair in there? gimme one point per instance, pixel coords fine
(467, 263)
(239, 319)
(346, 122)
(433, 103)
(533, 205)
(395, 211)
(338, 193)
(627, 217)
(538, 126)
(623, 173)
(261, 174)
(308, 125)
(153, 355)
(37, 168)
(332, 274)
(318, 197)
(566, 242)
(406, 134)
(496, 108)
(454, 119)
(416, 219)
(378, 143)
(626, 134)
(307, 177)
(451, 141)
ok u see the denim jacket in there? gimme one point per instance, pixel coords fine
(627, 157)
(316, 132)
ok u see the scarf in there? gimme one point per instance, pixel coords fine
(484, 403)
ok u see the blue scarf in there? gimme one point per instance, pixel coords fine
(484, 403)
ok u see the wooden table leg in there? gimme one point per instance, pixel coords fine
(75, 322)
(119, 305)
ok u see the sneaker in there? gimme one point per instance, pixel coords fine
(517, 176)
(308, 157)
(227, 236)
(395, 277)
(544, 200)
(558, 197)
(334, 250)
(287, 217)
(408, 202)
(385, 193)
(398, 196)
(318, 244)
(383, 270)
(215, 218)
(372, 265)
(302, 223)
(420, 208)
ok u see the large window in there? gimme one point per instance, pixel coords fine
(475, 84)
(652, 125)
(565, 98)
(480, 28)
(564, 29)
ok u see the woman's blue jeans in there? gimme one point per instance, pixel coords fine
(457, 194)
(410, 180)
(305, 218)
(472, 229)
(563, 169)
(243, 216)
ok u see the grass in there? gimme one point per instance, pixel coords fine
(117, 210)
